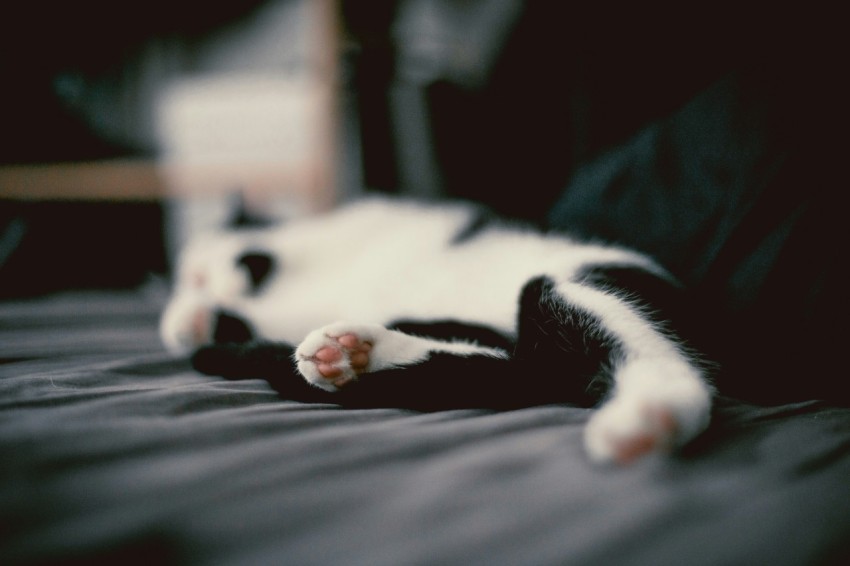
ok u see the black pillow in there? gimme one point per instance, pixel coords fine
(737, 193)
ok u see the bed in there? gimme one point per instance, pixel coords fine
(113, 451)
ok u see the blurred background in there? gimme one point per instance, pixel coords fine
(703, 135)
(127, 127)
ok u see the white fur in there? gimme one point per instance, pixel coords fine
(380, 261)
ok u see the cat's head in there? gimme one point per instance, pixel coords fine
(225, 266)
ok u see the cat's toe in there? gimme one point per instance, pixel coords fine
(357, 350)
(332, 361)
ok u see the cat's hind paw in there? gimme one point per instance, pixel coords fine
(621, 433)
(656, 409)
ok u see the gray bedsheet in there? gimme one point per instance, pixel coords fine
(110, 450)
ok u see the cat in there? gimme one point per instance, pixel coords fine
(433, 306)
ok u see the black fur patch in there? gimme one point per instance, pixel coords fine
(244, 216)
(565, 348)
(254, 360)
(259, 265)
(482, 219)
(231, 329)
(444, 382)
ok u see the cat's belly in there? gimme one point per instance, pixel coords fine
(478, 283)
(442, 288)
(431, 298)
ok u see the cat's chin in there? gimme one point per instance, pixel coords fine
(186, 324)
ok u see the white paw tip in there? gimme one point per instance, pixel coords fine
(622, 435)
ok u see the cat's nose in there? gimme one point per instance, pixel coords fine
(198, 280)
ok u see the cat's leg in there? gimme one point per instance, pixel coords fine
(658, 400)
(338, 354)
(371, 366)
(402, 371)
(657, 404)
(654, 395)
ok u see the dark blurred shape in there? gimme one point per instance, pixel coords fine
(77, 86)
(53, 56)
(735, 192)
(53, 246)
(504, 101)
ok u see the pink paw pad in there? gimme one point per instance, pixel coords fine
(328, 358)
(659, 437)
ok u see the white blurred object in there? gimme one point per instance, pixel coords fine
(265, 132)
(260, 136)
(242, 119)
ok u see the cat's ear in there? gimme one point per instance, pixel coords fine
(243, 215)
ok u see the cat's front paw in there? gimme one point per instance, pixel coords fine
(334, 356)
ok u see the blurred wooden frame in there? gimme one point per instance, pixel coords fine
(311, 183)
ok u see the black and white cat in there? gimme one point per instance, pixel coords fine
(431, 307)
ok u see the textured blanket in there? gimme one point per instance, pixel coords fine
(111, 450)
